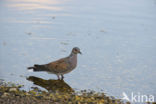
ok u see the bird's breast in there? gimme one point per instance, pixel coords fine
(73, 61)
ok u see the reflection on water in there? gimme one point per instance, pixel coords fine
(33, 7)
(51, 84)
(37, 4)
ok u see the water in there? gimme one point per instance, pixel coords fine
(117, 39)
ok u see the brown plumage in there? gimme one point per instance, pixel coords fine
(61, 66)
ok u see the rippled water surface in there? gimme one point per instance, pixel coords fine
(117, 39)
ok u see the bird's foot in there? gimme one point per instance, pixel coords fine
(62, 77)
(58, 77)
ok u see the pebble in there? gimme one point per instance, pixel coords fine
(5, 95)
(13, 89)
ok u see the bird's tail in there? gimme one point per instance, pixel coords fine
(38, 67)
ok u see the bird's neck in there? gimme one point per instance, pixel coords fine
(73, 59)
(73, 55)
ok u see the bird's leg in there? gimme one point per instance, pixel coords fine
(58, 77)
(62, 77)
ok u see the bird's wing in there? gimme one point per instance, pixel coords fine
(58, 66)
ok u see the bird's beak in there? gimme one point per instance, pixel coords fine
(80, 52)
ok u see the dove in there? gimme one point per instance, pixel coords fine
(61, 66)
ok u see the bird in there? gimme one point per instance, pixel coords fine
(61, 66)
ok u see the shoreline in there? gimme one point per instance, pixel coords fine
(12, 94)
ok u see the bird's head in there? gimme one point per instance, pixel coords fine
(76, 50)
